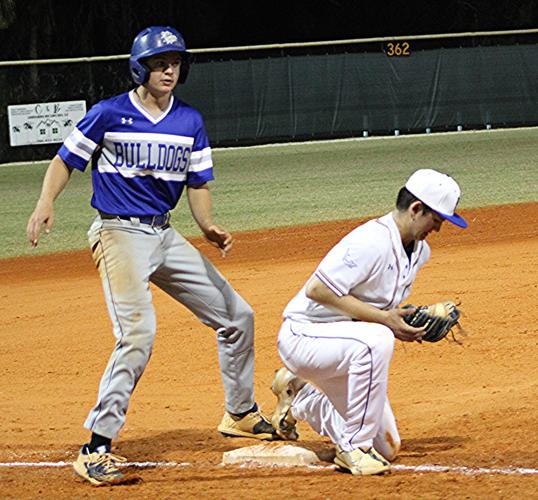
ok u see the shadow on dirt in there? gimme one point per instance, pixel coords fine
(424, 446)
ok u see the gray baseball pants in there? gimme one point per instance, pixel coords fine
(129, 255)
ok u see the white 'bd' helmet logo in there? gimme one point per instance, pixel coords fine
(168, 38)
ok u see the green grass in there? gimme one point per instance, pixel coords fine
(286, 185)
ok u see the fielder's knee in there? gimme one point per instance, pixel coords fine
(382, 341)
(388, 445)
(393, 448)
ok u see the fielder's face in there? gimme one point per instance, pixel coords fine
(164, 72)
(425, 223)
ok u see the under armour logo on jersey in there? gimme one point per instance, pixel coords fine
(126, 120)
(390, 268)
(168, 37)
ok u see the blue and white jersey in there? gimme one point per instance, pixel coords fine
(140, 164)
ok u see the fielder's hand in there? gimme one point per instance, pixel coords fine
(402, 330)
(42, 215)
(219, 238)
(436, 319)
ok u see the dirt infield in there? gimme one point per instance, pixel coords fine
(472, 405)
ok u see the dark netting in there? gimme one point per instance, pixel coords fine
(329, 95)
(328, 92)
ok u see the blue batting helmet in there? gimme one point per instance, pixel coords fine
(155, 40)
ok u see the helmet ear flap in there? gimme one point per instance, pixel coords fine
(184, 70)
(187, 58)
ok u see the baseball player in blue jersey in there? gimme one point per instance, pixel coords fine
(338, 334)
(146, 148)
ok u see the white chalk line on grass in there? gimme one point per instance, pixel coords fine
(324, 141)
(468, 471)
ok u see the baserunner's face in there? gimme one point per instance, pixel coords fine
(164, 72)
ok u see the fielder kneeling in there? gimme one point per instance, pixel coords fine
(337, 338)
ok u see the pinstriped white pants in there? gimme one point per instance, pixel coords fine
(347, 365)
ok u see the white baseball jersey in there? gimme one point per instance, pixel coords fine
(369, 263)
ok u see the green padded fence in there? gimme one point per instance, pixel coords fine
(322, 95)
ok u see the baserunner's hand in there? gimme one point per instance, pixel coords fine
(43, 214)
(219, 238)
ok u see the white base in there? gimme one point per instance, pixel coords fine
(271, 454)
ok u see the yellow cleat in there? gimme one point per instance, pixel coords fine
(99, 467)
(362, 462)
(253, 425)
(285, 387)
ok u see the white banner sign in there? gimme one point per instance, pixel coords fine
(43, 123)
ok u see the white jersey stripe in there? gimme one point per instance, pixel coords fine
(148, 137)
(201, 166)
(74, 148)
(198, 156)
(80, 145)
(201, 160)
(82, 141)
(107, 168)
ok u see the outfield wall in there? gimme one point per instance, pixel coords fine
(348, 94)
(271, 96)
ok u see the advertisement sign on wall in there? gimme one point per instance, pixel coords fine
(43, 123)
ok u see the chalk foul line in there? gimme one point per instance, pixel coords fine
(142, 465)
(468, 471)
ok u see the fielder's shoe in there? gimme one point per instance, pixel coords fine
(252, 425)
(285, 387)
(99, 467)
(362, 462)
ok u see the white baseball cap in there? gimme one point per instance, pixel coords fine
(438, 191)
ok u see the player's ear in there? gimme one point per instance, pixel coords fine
(415, 208)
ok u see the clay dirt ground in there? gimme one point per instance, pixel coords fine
(471, 405)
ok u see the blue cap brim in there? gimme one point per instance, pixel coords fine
(456, 219)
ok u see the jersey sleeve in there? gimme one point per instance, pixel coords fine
(81, 143)
(201, 164)
(347, 265)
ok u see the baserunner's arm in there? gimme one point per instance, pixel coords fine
(54, 182)
(200, 203)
